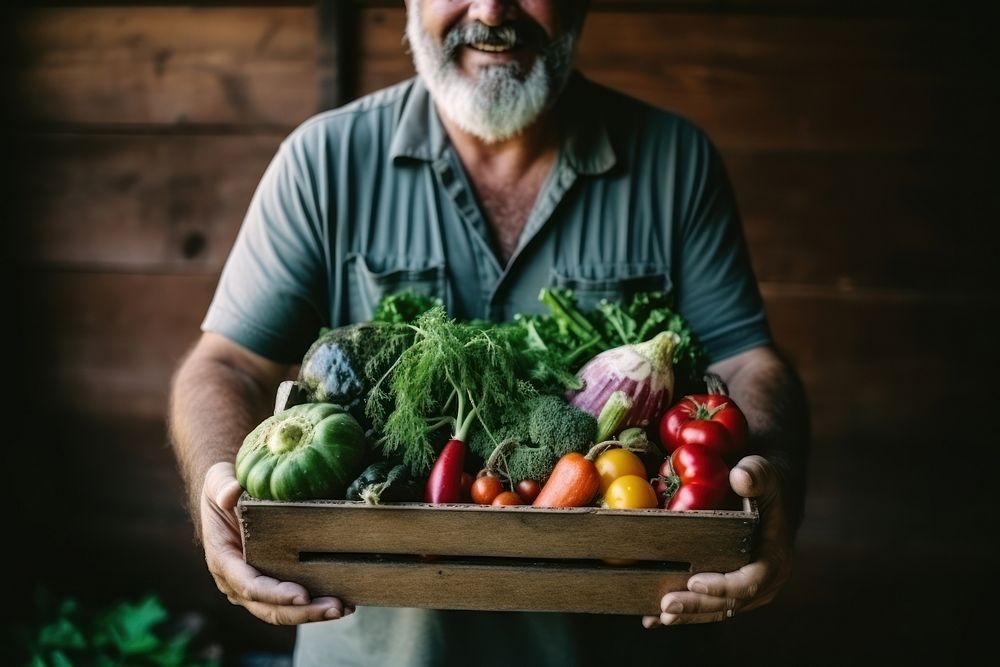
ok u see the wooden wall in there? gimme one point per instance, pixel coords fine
(859, 138)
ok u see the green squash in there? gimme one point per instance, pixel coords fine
(308, 451)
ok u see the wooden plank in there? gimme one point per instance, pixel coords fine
(351, 550)
(868, 220)
(140, 203)
(249, 66)
(705, 541)
(336, 46)
(774, 83)
(107, 344)
(871, 361)
(459, 585)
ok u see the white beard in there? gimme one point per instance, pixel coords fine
(498, 103)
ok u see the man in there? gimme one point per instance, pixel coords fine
(495, 172)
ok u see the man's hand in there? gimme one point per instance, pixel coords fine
(713, 596)
(277, 602)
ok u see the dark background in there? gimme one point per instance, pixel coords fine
(860, 138)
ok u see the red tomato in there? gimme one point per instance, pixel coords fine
(696, 497)
(528, 490)
(507, 498)
(485, 489)
(710, 420)
(466, 485)
(695, 464)
(703, 478)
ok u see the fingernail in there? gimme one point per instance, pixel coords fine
(300, 600)
(332, 612)
(699, 587)
(674, 607)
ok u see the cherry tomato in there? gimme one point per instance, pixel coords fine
(528, 490)
(710, 420)
(630, 492)
(615, 463)
(507, 498)
(466, 485)
(485, 489)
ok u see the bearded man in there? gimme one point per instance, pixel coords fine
(498, 170)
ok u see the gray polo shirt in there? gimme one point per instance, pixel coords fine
(371, 198)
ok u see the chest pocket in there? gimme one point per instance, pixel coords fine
(370, 279)
(614, 282)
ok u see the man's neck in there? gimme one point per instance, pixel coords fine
(507, 176)
(510, 159)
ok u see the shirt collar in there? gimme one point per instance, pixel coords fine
(586, 144)
(419, 133)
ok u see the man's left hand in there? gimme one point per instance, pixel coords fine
(712, 596)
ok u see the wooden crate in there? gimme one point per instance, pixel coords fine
(497, 558)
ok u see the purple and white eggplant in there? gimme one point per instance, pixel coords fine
(643, 371)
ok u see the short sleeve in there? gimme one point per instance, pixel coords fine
(271, 292)
(717, 291)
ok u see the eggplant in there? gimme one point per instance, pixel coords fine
(385, 482)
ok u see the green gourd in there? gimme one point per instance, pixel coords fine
(308, 451)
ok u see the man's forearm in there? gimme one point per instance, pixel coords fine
(771, 396)
(213, 405)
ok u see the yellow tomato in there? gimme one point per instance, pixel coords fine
(630, 492)
(616, 463)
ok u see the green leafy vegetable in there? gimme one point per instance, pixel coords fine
(574, 335)
(139, 634)
(403, 307)
(455, 375)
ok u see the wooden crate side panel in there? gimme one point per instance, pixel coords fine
(707, 542)
(522, 587)
(169, 65)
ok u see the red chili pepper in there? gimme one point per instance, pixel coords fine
(444, 485)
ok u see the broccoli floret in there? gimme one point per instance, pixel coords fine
(483, 445)
(562, 428)
(527, 462)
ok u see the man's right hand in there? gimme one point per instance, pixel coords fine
(277, 602)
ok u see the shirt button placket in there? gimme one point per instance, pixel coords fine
(484, 263)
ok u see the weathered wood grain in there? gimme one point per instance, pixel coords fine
(247, 66)
(868, 220)
(773, 83)
(107, 344)
(139, 203)
(534, 555)
(458, 585)
(704, 540)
